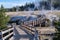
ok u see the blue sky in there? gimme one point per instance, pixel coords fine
(11, 3)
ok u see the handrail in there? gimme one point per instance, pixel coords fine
(5, 28)
(29, 24)
(29, 29)
(6, 33)
(32, 22)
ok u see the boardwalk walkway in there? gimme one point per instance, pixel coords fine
(21, 34)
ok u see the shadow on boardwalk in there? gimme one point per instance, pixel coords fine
(26, 36)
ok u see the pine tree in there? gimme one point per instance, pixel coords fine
(57, 26)
(3, 18)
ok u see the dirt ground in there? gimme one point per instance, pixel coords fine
(28, 13)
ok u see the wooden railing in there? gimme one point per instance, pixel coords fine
(32, 22)
(30, 25)
(6, 34)
(29, 29)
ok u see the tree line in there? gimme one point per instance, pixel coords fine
(47, 6)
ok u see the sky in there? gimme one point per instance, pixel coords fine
(12, 3)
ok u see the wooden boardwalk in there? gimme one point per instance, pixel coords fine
(21, 34)
(32, 30)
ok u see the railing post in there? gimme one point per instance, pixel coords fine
(37, 21)
(39, 37)
(33, 23)
(1, 37)
(14, 25)
(40, 22)
(36, 34)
